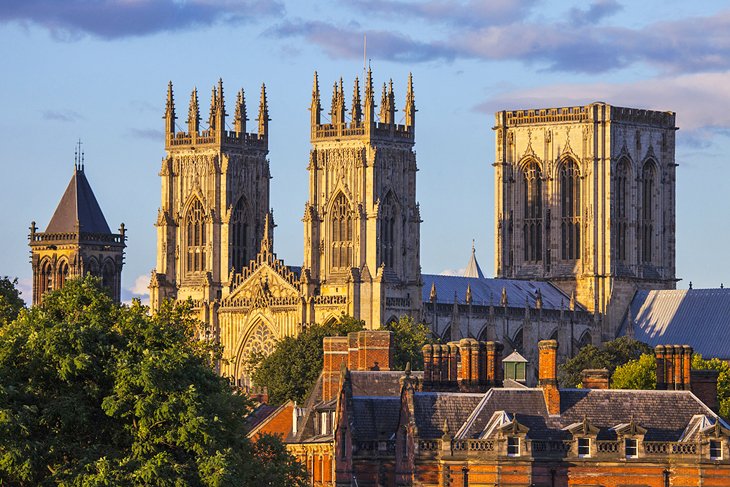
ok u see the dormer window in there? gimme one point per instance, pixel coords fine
(631, 448)
(325, 428)
(584, 447)
(715, 450)
(513, 446)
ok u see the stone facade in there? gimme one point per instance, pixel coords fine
(585, 198)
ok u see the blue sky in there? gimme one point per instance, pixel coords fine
(98, 70)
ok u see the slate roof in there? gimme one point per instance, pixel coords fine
(78, 204)
(665, 414)
(696, 317)
(432, 408)
(486, 291)
(376, 418)
(378, 383)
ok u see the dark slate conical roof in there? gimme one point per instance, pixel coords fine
(78, 204)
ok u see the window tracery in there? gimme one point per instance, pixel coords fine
(570, 231)
(62, 274)
(239, 235)
(532, 230)
(387, 213)
(196, 238)
(648, 184)
(621, 209)
(341, 218)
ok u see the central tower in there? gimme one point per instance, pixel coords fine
(362, 221)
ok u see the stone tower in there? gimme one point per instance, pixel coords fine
(585, 197)
(215, 195)
(76, 242)
(362, 221)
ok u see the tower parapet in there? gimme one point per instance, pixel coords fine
(362, 122)
(216, 134)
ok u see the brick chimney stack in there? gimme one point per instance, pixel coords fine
(595, 378)
(335, 355)
(466, 366)
(673, 367)
(548, 374)
(704, 386)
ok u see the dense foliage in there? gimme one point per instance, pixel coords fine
(296, 362)
(641, 374)
(94, 393)
(10, 301)
(609, 356)
(409, 338)
(636, 374)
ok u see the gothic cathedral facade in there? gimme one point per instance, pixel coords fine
(585, 198)
(361, 222)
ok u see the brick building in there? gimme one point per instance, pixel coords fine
(459, 423)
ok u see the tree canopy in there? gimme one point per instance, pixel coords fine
(291, 370)
(10, 301)
(636, 374)
(609, 356)
(409, 338)
(296, 362)
(95, 393)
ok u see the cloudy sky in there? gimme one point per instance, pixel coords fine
(98, 70)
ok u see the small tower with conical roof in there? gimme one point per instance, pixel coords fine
(77, 241)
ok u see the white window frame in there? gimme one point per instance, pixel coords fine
(718, 447)
(513, 442)
(631, 444)
(586, 446)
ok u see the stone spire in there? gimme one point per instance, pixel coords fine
(356, 111)
(267, 240)
(170, 112)
(503, 301)
(387, 104)
(213, 108)
(468, 298)
(472, 268)
(337, 112)
(369, 100)
(193, 113)
(316, 106)
(410, 108)
(217, 120)
(263, 113)
(240, 117)
(433, 294)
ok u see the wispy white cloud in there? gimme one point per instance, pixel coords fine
(700, 100)
(137, 291)
(62, 115)
(577, 44)
(112, 19)
(453, 272)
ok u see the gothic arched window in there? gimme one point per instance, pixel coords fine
(196, 238)
(239, 232)
(341, 218)
(387, 213)
(518, 342)
(648, 186)
(46, 283)
(108, 276)
(570, 211)
(62, 274)
(532, 230)
(93, 267)
(621, 209)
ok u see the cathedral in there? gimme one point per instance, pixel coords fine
(584, 205)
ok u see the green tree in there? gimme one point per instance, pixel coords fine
(723, 379)
(636, 374)
(609, 356)
(409, 338)
(291, 370)
(95, 393)
(10, 301)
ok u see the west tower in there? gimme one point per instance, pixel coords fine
(362, 221)
(215, 195)
(585, 197)
(76, 242)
